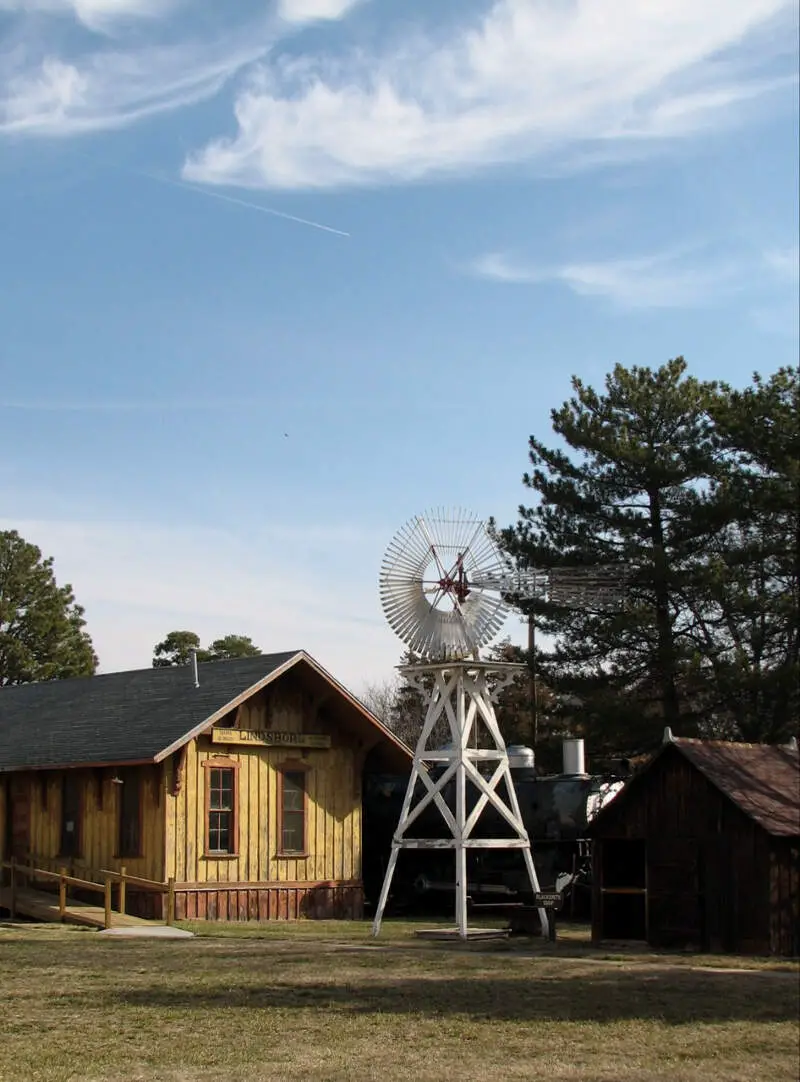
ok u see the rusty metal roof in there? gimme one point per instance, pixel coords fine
(761, 779)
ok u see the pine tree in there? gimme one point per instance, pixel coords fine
(625, 503)
(747, 604)
(42, 629)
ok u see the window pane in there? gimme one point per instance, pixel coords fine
(293, 791)
(220, 809)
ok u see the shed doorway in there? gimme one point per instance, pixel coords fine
(623, 871)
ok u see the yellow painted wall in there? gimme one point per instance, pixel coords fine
(99, 823)
(333, 806)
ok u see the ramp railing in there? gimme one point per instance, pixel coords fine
(29, 873)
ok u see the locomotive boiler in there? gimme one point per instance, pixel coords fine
(556, 810)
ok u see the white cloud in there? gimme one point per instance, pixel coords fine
(528, 80)
(288, 587)
(304, 11)
(665, 280)
(98, 15)
(109, 89)
(784, 262)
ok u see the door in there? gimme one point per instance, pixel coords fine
(676, 915)
(70, 815)
(18, 816)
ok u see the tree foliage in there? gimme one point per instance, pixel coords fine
(683, 495)
(42, 629)
(176, 649)
(746, 606)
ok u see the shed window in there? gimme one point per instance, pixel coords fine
(293, 812)
(221, 810)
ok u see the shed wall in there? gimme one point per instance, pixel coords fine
(713, 875)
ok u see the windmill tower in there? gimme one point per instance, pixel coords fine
(443, 587)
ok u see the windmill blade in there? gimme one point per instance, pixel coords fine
(441, 585)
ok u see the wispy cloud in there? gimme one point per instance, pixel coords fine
(305, 11)
(97, 15)
(47, 89)
(165, 405)
(677, 279)
(784, 262)
(526, 81)
(287, 586)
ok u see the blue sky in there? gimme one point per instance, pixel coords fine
(216, 417)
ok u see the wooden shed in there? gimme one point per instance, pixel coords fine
(701, 850)
(240, 781)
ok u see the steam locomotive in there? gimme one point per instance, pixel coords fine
(556, 809)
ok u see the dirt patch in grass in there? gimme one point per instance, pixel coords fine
(308, 1002)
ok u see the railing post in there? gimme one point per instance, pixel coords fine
(107, 914)
(12, 901)
(171, 900)
(31, 865)
(121, 904)
(62, 893)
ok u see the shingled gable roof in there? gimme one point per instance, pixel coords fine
(143, 715)
(763, 780)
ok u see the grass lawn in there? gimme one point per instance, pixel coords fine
(324, 1001)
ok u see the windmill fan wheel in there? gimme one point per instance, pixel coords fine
(430, 585)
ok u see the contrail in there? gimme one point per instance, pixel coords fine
(244, 203)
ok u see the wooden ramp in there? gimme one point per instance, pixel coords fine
(44, 906)
(21, 892)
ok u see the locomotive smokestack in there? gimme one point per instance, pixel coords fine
(573, 755)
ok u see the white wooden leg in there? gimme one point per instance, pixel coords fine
(387, 882)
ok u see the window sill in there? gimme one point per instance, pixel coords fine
(220, 856)
(292, 856)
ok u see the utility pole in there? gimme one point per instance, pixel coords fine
(532, 670)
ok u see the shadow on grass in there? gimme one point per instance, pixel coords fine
(677, 999)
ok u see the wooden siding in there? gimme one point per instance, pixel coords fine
(98, 821)
(333, 804)
(715, 879)
(4, 788)
(784, 885)
(271, 901)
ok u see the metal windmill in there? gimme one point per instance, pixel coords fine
(443, 587)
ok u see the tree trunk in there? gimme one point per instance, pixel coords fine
(666, 646)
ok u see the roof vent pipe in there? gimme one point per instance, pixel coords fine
(573, 755)
(195, 674)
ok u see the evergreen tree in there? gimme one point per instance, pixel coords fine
(745, 605)
(625, 504)
(176, 649)
(42, 629)
(232, 646)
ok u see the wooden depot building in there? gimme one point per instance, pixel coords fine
(237, 781)
(701, 850)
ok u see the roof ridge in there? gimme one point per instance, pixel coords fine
(73, 680)
(728, 743)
